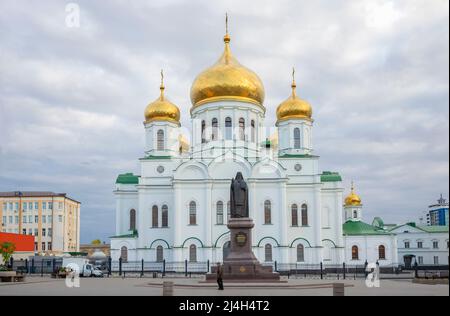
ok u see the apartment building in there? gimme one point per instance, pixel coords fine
(52, 218)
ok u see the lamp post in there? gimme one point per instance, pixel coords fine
(20, 212)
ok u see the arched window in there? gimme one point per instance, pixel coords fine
(304, 215)
(253, 131)
(228, 128)
(219, 214)
(297, 138)
(192, 213)
(382, 252)
(165, 216)
(267, 212)
(241, 129)
(355, 253)
(203, 132)
(159, 254)
(192, 253)
(155, 216)
(215, 129)
(294, 211)
(355, 214)
(300, 253)
(132, 219)
(268, 253)
(124, 254)
(160, 140)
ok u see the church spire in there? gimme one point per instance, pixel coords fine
(161, 87)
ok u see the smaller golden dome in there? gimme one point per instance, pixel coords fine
(353, 199)
(162, 109)
(184, 143)
(294, 107)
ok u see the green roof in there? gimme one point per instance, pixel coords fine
(127, 178)
(328, 176)
(427, 229)
(297, 156)
(150, 157)
(361, 228)
(378, 222)
(434, 229)
(132, 234)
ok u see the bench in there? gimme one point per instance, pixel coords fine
(11, 276)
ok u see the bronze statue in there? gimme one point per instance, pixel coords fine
(239, 197)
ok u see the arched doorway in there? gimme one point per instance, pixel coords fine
(226, 250)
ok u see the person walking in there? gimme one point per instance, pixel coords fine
(219, 276)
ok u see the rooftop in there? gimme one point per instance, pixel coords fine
(24, 194)
(361, 228)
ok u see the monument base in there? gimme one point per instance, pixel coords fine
(241, 264)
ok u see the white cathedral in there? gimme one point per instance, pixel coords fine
(177, 208)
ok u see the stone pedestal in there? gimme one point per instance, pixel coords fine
(241, 263)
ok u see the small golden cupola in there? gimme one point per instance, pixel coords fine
(227, 79)
(294, 107)
(162, 109)
(353, 199)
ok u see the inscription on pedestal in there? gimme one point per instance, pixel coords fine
(241, 239)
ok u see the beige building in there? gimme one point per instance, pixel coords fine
(53, 218)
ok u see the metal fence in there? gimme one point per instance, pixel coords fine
(48, 265)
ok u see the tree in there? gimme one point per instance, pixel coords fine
(6, 250)
(96, 242)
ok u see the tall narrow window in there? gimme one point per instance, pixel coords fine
(294, 211)
(219, 210)
(304, 215)
(192, 253)
(228, 128)
(267, 212)
(300, 253)
(124, 254)
(253, 131)
(355, 214)
(355, 253)
(215, 129)
(297, 138)
(132, 219)
(382, 252)
(160, 140)
(203, 132)
(268, 253)
(159, 254)
(154, 216)
(165, 216)
(192, 213)
(241, 129)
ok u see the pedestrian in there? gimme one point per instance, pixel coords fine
(219, 276)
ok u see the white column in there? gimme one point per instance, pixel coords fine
(208, 214)
(178, 218)
(283, 222)
(316, 214)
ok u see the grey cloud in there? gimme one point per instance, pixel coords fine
(376, 73)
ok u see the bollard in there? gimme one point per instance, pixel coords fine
(167, 288)
(338, 289)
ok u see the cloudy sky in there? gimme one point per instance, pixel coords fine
(376, 73)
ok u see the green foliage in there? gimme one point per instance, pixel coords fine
(6, 250)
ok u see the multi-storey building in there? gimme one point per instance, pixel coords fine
(52, 218)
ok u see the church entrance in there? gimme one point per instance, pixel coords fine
(226, 250)
(408, 261)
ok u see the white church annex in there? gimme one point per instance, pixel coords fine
(177, 208)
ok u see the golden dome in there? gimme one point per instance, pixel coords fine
(227, 79)
(184, 143)
(162, 109)
(294, 107)
(353, 199)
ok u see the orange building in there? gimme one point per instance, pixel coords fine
(24, 244)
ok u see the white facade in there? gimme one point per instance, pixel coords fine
(280, 183)
(425, 245)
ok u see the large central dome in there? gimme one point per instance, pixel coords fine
(227, 79)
